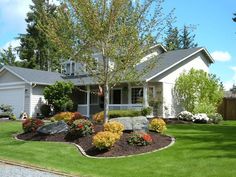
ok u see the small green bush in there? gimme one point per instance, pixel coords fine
(99, 117)
(215, 118)
(146, 111)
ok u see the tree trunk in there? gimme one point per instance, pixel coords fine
(106, 102)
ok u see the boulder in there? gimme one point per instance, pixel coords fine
(54, 128)
(133, 123)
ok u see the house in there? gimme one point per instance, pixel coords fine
(22, 88)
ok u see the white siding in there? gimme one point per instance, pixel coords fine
(170, 107)
(37, 99)
(7, 77)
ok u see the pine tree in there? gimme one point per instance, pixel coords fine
(172, 41)
(7, 56)
(34, 47)
(234, 18)
(186, 39)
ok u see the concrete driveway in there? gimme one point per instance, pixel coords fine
(7, 170)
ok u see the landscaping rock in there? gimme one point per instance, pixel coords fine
(54, 128)
(133, 123)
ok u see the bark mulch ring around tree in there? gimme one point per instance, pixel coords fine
(121, 147)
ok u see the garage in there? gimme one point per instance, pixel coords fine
(13, 96)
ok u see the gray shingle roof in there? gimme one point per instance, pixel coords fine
(165, 60)
(36, 76)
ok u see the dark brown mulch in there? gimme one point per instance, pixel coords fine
(121, 147)
(176, 121)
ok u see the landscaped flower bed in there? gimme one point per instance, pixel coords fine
(120, 148)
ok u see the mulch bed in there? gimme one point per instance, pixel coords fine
(121, 147)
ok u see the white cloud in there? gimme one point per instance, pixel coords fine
(229, 84)
(13, 43)
(221, 56)
(12, 15)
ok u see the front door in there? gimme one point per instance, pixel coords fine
(116, 99)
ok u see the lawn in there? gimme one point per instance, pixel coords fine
(200, 150)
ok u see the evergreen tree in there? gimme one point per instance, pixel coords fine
(179, 39)
(234, 18)
(172, 41)
(186, 39)
(34, 47)
(7, 56)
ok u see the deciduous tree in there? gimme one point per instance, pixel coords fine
(120, 31)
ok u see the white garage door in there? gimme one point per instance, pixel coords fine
(14, 97)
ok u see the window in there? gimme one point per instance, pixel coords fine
(93, 98)
(137, 95)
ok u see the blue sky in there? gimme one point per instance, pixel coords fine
(215, 29)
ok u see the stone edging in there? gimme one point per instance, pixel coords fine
(94, 157)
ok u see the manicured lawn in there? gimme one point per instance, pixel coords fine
(200, 150)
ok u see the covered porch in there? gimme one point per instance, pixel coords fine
(122, 97)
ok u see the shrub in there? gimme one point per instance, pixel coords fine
(76, 116)
(66, 116)
(185, 115)
(45, 110)
(114, 127)
(158, 125)
(81, 127)
(6, 111)
(99, 117)
(204, 107)
(146, 111)
(215, 118)
(140, 139)
(200, 118)
(31, 125)
(105, 140)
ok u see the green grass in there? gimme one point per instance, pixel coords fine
(200, 150)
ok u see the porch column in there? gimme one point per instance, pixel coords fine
(129, 95)
(70, 67)
(145, 95)
(88, 100)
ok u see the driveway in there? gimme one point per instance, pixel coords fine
(7, 170)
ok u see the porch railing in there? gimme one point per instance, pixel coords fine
(82, 108)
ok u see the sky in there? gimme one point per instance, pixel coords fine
(215, 29)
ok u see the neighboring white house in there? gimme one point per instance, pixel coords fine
(22, 88)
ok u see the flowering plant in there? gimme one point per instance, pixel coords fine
(185, 115)
(105, 140)
(31, 125)
(158, 125)
(140, 139)
(66, 116)
(81, 127)
(200, 118)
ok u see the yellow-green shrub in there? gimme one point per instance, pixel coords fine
(158, 125)
(114, 127)
(105, 140)
(66, 116)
